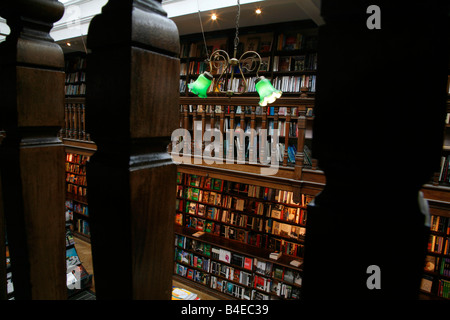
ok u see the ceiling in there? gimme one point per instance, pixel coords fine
(272, 12)
(186, 15)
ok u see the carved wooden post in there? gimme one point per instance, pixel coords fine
(133, 72)
(32, 157)
(364, 152)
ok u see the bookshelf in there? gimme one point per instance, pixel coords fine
(227, 230)
(76, 205)
(75, 67)
(436, 276)
(288, 52)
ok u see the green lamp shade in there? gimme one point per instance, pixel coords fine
(201, 85)
(267, 93)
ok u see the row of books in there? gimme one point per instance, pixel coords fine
(76, 190)
(306, 62)
(444, 174)
(444, 288)
(254, 238)
(82, 226)
(74, 77)
(245, 293)
(295, 83)
(299, 63)
(74, 206)
(77, 158)
(249, 190)
(230, 288)
(285, 230)
(257, 277)
(197, 49)
(231, 273)
(212, 198)
(192, 274)
(438, 244)
(290, 41)
(76, 179)
(75, 89)
(289, 214)
(440, 224)
(75, 168)
(246, 207)
(258, 266)
(192, 259)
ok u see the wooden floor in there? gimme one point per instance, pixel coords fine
(84, 252)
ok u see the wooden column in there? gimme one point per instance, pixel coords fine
(366, 233)
(32, 157)
(132, 94)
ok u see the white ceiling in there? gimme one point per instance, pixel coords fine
(273, 11)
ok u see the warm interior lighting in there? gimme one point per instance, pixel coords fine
(267, 93)
(201, 85)
(258, 11)
(68, 44)
(213, 16)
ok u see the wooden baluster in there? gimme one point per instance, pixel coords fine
(32, 156)
(72, 120)
(76, 112)
(80, 130)
(83, 121)
(287, 124)
(299, 155)
(253, 135)
(230, 151)
(133, 72)
(222, 131)
(213, 126)
(194, 148)
(263, 146)
(187, 145)
(241, 153)
(275, 131)
(204, 107)
(66, 121)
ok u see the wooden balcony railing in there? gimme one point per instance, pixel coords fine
(75, 120)
(290, 117)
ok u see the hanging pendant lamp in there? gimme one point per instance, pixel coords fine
(220, 60)
(201, 85)
(267, 93)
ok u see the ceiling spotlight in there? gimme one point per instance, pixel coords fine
(68, 44)
(258, 11)
(213, 16)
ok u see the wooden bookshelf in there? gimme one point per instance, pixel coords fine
(288, 52)
(242, 220)
(77, 209)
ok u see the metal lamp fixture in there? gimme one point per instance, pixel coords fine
(249, 61)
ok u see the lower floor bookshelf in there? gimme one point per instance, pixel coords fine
(233, 270)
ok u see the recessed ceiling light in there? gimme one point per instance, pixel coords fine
(258, 11)
(213, 16)
(68, 44)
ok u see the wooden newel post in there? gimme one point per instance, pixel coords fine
(32, 156)
(132, 94)
(362, 141)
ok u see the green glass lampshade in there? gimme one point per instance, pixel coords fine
(201, 85)
(267, 93)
